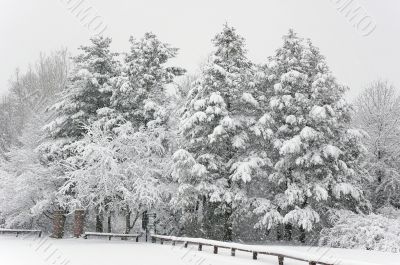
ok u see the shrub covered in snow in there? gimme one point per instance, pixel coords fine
(371, 232)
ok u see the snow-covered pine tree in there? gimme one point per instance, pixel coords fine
(83, 100)
(140, 94)
(88, 91)
(140, 91)
(315, 155)
(214, 165)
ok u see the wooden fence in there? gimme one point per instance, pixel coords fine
(234, 247)
(20, 231)
(111, 235)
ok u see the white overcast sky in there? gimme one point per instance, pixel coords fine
(28, 27)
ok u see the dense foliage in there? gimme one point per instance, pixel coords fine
(238, 151)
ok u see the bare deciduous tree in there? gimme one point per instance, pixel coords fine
(378, 114)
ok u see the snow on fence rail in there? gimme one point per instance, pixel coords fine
(279, 252)
(20, 231)
(110, 235)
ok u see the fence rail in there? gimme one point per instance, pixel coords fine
(20, 231)
(255, 250)
(111, 235)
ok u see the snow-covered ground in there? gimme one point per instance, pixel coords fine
(46, 251)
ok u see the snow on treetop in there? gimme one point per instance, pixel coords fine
(294, 77)
(196, 118)
(355, 133)
(247, 97)
(308, 133)
(199, 170)
(199, 104)
(84, 73)
(275, 102)
(291, 119)
(320, 193)
(291, 146)
(229, 123)
(318, 113)
(331, 151)
(346, 189)
(182, 155)
(287, 99)
(243, 170)
(272, 64)
(215, 98)
(304, 217)
(265, 119)
(150, 105)
(218, 131)
(278, 87)
(316, 159)
(104, 111)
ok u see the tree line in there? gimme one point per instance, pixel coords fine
(237, 151)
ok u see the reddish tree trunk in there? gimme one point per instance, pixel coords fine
(79, 221)
(58, 224)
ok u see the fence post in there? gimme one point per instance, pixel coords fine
(312, 263)
(255, 255)
(215, 250)
(173, 242)
(233, 252)
(200, 247)
(162, 241)
(186, 244)
(280, 260)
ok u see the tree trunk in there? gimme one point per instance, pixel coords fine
(79, 222)
(109, 224)
(288, 232)
(302, 236)
(128, 222)
(99, 223)
(228, 224)
(58, 224)
(206, 220)
(145, 220)
(267, 232)
(279, 232)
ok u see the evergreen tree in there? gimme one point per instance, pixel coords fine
(213, 167)
(88, 91)
(83, 101)
(315, 155)
(140, 91)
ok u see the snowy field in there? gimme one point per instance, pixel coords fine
(43, 251)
